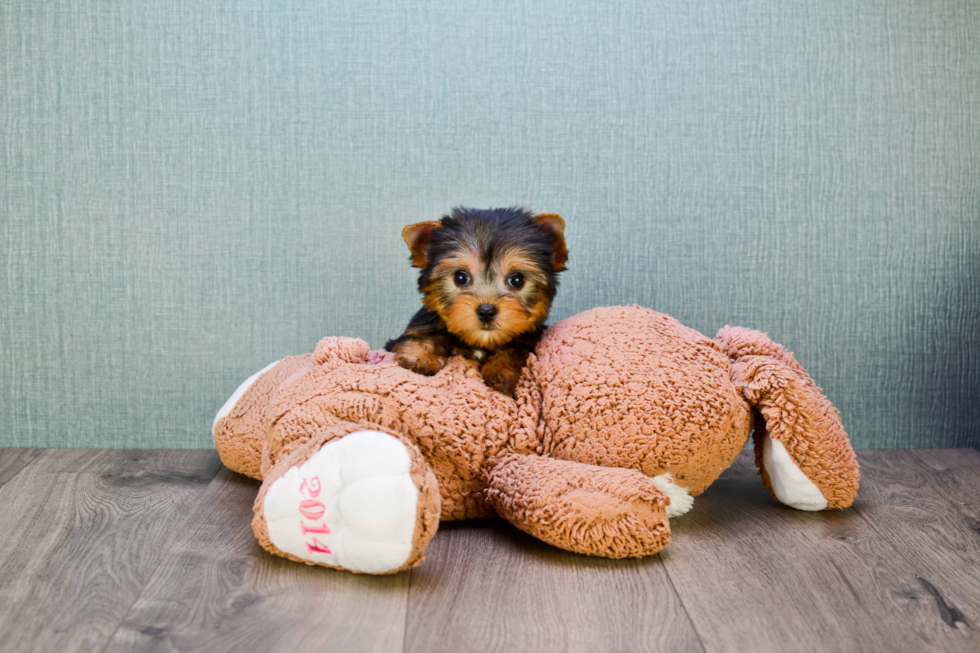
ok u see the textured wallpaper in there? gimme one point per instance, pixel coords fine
(190, 190)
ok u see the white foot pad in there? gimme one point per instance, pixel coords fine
(352, 505)
(233, 399)
(789, 483)
(680, 500)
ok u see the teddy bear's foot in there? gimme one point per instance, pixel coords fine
(353, 505)
(240, 427)
(681, 500)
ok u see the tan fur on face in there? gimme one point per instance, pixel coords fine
(515, 261)
(442, 291)
(512, 320)
(457, 306)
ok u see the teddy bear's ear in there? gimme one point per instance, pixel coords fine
(554, 225)
(418, 236)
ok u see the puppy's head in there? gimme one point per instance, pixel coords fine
(490, 275)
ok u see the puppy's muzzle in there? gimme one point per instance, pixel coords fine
(486, 313)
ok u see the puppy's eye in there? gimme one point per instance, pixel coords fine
(516, 281)
(461, 278)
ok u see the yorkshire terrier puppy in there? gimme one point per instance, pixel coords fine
(488, 279)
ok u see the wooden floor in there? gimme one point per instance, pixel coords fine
(153, 550)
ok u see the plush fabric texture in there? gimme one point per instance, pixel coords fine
(241, 433)
(659, 393)
(353, 504)
(427, 515)
(617, 513)
(792, 408)
(611, 398)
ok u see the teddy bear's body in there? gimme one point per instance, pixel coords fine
(620, 417)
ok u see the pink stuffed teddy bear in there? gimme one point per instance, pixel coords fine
(621, 417)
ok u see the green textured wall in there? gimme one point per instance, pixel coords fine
(193, 189)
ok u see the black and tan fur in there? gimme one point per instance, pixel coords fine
(488, 280)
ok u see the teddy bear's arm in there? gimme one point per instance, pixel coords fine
(601, 511)
(801, 448)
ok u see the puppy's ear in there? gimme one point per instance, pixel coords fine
(553, 224)
(418, 237)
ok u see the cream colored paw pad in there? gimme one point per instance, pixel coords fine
(681, 500)
(352, 504)
(789, 483)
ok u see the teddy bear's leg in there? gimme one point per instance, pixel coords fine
(601, 511)
(239, 428)
(801, 448)
(361, 499)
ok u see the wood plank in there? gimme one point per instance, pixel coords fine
(14, 460)
(485, 586)
(755, 575)
(217, 590)
(81, 533)
(927, 503)
(964, 463)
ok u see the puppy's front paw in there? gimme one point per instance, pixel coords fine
(419, 357)
(501, 377)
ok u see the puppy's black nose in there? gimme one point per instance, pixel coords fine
(486, 312)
